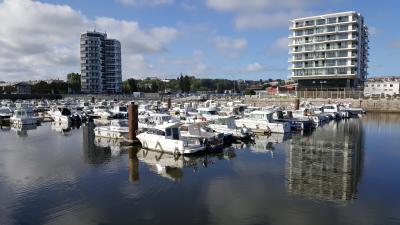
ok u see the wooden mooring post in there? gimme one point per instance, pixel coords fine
(132, 121)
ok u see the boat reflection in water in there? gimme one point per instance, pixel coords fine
(61, 128)
(265, 143)
(172, 166)
(115, 145)
(98, 150)
(326, 165)
(22, 130)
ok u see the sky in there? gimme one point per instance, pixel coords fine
(232, 39)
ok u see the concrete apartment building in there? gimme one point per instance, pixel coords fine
(100, 64)
(387, 86)
(329, 51)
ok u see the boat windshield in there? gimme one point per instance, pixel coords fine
(257, 116)
(123, 109)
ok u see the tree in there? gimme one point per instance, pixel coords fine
(74, 82)
(130, 85)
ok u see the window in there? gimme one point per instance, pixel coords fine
(342, 70)
(391, 85)
(332, 20)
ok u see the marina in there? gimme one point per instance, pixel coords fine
(214, 112)
(326, 176)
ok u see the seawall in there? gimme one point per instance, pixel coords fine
(370, 105)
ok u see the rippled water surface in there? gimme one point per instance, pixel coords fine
(345, 172)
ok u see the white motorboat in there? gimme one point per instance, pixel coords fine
(22, 117)
(167, 138)
(5, 113)
(335, 110)
(227, 126)
(120, 111)
(212, 140)
(60, 115)
(118, 129)
(101, 111)
(262, 121)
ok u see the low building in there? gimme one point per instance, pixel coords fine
(23, 88)
(387, 86)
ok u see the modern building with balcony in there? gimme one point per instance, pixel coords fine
(101, 70)
(329, 51)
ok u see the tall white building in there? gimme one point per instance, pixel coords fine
(329, 51)
(100, 63)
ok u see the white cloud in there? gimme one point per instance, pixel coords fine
(133, 39)
(254, 67)
(262, 14)
(254, 5)
(226, 43)
(150, 3)
(188, 6)
(267, 20)
(41, 40)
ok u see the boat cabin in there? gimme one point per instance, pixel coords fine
(119, 123)
(261, 115)
(207, 111)
(169, 131)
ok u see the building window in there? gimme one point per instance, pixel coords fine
(391, 85)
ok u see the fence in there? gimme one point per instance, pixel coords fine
(333, 94)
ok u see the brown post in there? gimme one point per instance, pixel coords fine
(92, 99)
(132, 121)
(169, 103)
(133, 165)
(297, 104)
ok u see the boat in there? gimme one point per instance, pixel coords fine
(213, 141)
(167, 138)
(226, 125)
(5, 113)
(119, 112)
(262, 122)
(22, 117)
(60, 115)
(118, 129)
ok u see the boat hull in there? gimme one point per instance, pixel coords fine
(159, 143)
(263, 125)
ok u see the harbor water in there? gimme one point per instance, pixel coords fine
(345, 172)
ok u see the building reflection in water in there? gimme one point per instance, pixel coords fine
(93, 154)
(172, 166)
(326, 165)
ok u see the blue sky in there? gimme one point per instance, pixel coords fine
(207, 38)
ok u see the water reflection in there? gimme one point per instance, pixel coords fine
(326, 165)
(98, 150)
(61, 128)
(93, 154)
(22, 131)
(172, 166)
(266, 144)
